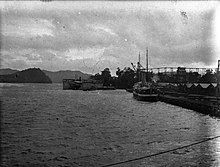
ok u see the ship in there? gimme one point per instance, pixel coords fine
(144, 90)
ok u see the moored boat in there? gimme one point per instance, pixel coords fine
(143, 90)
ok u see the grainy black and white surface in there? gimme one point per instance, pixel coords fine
(43, 125)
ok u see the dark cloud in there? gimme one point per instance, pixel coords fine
(44, 36)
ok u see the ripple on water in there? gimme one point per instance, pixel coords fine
(43, 125)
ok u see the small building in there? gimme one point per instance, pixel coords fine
(192, 89)
(211, 90)
(198, 89)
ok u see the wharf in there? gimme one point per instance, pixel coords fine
(203, 104)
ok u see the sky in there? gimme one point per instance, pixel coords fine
(92, 35)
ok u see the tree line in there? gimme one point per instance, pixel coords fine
(126, 77)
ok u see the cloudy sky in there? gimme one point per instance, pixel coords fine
(89, 36)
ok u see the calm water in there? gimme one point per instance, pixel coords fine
(43, 125)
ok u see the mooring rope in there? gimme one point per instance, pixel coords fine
(163, 152)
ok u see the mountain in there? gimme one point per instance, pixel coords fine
(58, 76)
(31, 75)
(55, 77)
(7, 71)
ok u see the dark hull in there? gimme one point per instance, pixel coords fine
(129, 90)
(146, 97)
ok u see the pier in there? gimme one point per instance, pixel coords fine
(179, 86)
(85, 85)
(201, 98)
(201, 104)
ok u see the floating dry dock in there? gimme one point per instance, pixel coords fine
(84, 85)
(202, 104)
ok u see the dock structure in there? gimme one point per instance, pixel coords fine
(203, 98)
(85, 85)
(173, 70)
(71, 84)
(202, 104)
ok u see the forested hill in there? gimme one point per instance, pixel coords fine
(31, 75)
(7, 71)
(56, 77)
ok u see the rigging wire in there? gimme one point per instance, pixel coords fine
(163, 152)
(99, 60)
(85, 63)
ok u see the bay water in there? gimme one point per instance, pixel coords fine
(43, 125)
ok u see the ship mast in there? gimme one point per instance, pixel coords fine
(139, 67)
(147, 63)
(139, 60)
(147, 59)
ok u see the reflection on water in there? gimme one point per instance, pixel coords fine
(44, 125)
